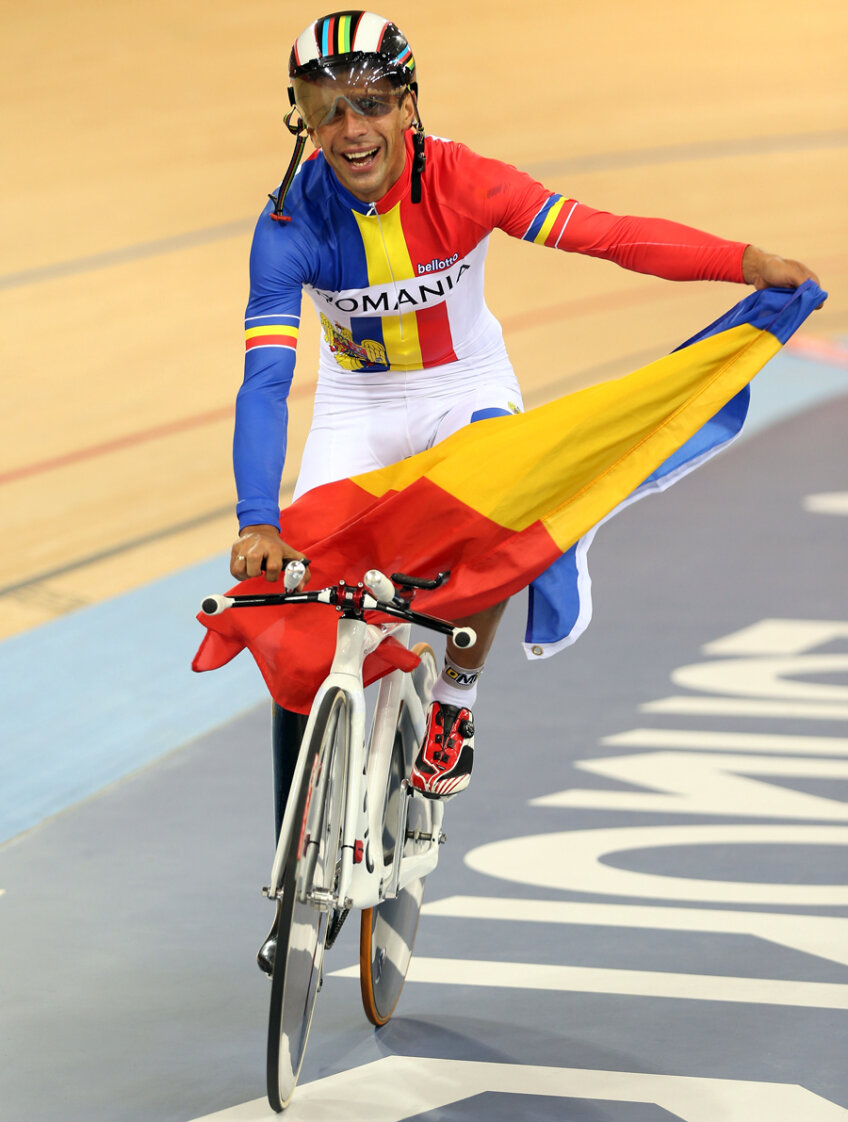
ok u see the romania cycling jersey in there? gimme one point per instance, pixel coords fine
(398, 287)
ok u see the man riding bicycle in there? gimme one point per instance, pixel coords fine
(386, 229)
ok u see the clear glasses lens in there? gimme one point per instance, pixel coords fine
(365, 105)
(326, 99)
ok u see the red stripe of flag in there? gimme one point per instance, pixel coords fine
(489, 563)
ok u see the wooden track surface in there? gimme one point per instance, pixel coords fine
(142, 140)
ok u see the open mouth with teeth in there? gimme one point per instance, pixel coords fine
(361, 159)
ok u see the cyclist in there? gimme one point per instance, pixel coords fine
(387, 230)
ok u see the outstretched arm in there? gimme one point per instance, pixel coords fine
(510, 200)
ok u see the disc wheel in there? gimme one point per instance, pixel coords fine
(308, 897)
(387, 931)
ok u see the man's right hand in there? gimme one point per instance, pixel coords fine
(258, 548)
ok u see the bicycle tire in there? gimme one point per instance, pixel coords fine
(387, 931)
(312, 864)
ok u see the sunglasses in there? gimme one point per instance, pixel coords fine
(321, 106)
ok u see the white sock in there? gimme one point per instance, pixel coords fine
(456, 685)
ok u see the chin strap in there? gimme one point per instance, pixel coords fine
(419, 158)
(297, 131)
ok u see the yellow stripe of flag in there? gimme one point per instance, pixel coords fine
(568, 463)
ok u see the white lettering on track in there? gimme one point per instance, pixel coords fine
(399, 1087)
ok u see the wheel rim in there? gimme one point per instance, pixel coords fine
(302, 929)
(388, 930)
(300, 985)
(388, 937)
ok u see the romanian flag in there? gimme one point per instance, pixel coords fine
(511, 500)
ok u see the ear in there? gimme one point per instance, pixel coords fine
(407, 112)
(312, 136)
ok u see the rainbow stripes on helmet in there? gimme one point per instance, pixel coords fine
(331, 37)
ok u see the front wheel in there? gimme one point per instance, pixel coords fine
(308, 895)
(387, 931)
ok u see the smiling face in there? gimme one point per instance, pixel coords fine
(360, 131)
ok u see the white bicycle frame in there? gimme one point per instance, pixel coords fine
(365, 879)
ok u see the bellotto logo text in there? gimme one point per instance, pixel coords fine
(436, 264)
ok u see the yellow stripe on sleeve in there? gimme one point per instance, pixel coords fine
(548, 224)
(271, 329)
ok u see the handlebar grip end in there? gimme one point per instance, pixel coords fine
(214, 605)
(379, 584)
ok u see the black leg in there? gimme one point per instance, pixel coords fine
(286, 734)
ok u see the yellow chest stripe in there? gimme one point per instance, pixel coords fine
(387, 259)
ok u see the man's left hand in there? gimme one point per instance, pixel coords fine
(767, 270)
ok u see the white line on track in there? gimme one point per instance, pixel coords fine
(747, 707)
(631, 983)
(698, 740)
(834, 502)
(823, 936)
(400, 1087)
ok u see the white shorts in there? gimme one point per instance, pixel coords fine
(361, 425)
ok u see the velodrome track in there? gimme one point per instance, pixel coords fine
(690, 964)
(680, 941)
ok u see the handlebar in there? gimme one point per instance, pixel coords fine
(378, 593)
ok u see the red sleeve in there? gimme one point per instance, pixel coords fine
(505, 198)
(650, 245)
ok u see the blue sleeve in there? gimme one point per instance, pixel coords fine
(279, 267)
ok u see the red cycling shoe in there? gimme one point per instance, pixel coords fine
(443, 765)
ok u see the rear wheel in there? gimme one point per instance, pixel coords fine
(387, 932)
(308, 897)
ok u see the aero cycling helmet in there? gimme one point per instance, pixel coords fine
(355, 40)
(351, 48)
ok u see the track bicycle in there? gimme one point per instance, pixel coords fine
(355, 834)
